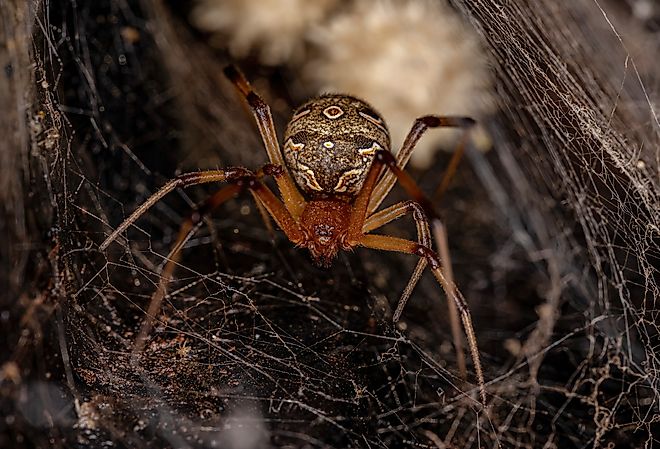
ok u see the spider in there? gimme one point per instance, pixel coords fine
(334, 170)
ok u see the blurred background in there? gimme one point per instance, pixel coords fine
(553, 219)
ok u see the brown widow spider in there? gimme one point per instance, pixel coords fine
(335, 171)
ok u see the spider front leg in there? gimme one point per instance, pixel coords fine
(388, 243)
(360, 225)
(293, 200)
(399, 210)
(240, 180)
(390, 214)
(186, 230)
(188, 179)
(363, 204)
(411, 187)
(185, 180)
(266, 202)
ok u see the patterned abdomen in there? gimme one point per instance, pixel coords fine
(329, 145)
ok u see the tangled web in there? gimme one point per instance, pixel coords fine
(554, 236)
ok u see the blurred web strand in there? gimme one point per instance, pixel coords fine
(604, 167)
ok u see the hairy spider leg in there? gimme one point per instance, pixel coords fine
(184, 180)
(264, 217)
(450, 171)
(357, 235)
(410, 186)
(389, 243)
(387, 181)
(241, 179)
(394, 212)
(186, 230)
(293, 199)
(440, 234)
(213, 202)
(403, 156)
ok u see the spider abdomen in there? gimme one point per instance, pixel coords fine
(330, 143)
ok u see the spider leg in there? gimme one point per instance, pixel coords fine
(411, 187)
(396, 211)
(264, 217)
(403, 156)
(186, 230)
(262, 195)
(450, 171)
(388, 243)
(293, 200)
(277, 209)
(184, 180)
(359, 220)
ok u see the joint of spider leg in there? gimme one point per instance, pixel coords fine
(428, 254)
(238, 173)
(236, 77)
(255, 101)
(273, 170)
(385, 157)
(430, 121)
(416, 209)
(382, 155)
(434, 262)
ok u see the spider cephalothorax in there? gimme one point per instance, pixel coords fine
(325, 227)
(336, 151)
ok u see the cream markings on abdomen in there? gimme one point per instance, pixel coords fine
(371, 150)
(342, 184)
(333, 112)
(310, 179)
(293, 146)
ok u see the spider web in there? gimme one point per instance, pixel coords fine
(554, 237)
